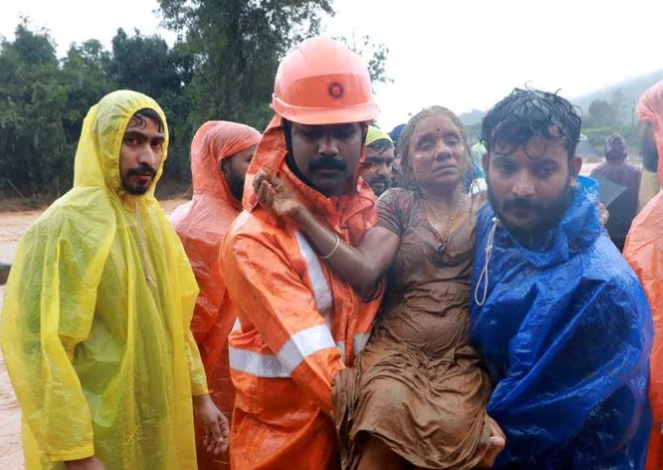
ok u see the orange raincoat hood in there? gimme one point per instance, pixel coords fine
(650, 108)
(213, 142)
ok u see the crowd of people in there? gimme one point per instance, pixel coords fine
(336, 296)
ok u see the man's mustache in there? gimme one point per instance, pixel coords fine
(519, 203)
(327, 164)
(142, 171)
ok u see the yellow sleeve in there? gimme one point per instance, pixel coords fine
(197, 371)
(189, 289)
(48, 310)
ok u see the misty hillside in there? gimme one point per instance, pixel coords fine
(631, 90)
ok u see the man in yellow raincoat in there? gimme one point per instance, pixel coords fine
(95, 325)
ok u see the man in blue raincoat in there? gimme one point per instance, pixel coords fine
(560, 320)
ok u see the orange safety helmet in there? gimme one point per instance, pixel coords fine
(321, 81)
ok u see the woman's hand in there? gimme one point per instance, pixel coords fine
(496, 443)
(276, 196)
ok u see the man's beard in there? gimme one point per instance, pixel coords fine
(383, 180)
(236, 185)
(551, 213)
(138, 189)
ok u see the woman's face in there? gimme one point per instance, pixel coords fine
(438, 155)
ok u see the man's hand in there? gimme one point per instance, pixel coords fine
(276, 196)
(91, 463)
(217, 430)
(496, 443)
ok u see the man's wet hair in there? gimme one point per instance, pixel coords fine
(149, 113)
(523, 114)
(381, 145)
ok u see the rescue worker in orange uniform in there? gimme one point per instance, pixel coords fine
(644, 252)
(220, 155)
(299, 323)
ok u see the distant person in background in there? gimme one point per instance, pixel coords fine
(396, 175)
(624, 207)
(477, 151)
(396, 132)
(376, 168)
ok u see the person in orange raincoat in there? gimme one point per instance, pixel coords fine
(644, 252)
(298, 323)
(220, 155)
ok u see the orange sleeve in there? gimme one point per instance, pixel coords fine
(204, 262)
(652, 287)
(273, 297)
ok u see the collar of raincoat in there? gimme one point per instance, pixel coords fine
(97, 162)
(270, 157)
(650, 108)
(215, 141)
(578, 229)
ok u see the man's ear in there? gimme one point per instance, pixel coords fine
(223, 168)
(485, 163)
(575, 165)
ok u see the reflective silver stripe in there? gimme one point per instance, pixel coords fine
(289, 357)
(303, 344)
(341, 347)
(259, 365)
(321, 291)
(240, 220)
(359, 342)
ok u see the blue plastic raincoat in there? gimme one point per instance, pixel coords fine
(565, 334)
(95, 323)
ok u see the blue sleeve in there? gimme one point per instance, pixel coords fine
(581, 389)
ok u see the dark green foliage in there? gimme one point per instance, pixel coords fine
(221, 67)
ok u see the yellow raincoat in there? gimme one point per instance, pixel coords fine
(95, 324)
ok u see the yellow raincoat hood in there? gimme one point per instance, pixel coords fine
(95, 324)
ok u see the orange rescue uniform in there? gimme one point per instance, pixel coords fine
(298, 323)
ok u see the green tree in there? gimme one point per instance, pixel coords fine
(601, 114)
(146, 64)
(85, 79)
(373, 53)
(34, 152)
(236, 46)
